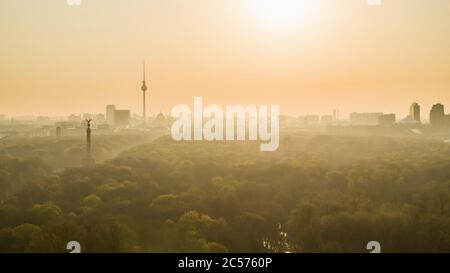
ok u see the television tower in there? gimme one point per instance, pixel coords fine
(144, 89)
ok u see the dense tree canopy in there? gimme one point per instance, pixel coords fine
(315, 194)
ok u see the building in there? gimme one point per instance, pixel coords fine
(367, 119)
(387, 120)
(160, 121)
(110, 109)
(122, 118)
(414, 112)
(438, 118)
(437, 115)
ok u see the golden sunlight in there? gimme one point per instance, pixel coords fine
(282, 13)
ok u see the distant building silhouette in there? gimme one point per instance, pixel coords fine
(368, 119)
(116, 117)
(387, 120)
(110, 114)
(160, 121)
(414, 112)
(122, 118)
(437, 115)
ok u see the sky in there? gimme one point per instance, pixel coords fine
(309, 57)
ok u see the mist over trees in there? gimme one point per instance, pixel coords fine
(315, 194)
(69, 151)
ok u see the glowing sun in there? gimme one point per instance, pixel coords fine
(282, 13)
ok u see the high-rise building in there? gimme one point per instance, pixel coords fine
(144, 90)
(122, 118)
(414, 112)
(437, 115)
(110, 109)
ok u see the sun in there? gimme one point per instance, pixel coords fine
(282, 13)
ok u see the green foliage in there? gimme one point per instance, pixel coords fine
(44, 213)
(315, 194)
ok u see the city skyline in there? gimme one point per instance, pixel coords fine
(415, 113)
(346, 56)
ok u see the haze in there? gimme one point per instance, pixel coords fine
(56, 59)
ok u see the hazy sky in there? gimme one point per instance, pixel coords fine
(57, 59)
